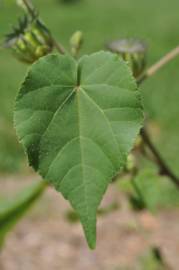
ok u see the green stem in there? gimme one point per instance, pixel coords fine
(58, 46)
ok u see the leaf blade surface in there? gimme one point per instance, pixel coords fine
(77, 122)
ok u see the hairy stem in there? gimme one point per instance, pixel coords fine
(157, 66)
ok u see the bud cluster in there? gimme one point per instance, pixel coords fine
(30, 40)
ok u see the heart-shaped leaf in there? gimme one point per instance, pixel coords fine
(77, 121)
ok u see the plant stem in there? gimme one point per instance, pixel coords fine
(29, 7)
(164, 169)
(157, 66)
(58, 46)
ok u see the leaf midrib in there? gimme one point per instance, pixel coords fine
(81, 151)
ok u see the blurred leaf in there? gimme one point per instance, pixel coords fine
(151, 191)
(11, 210)
(78, 120)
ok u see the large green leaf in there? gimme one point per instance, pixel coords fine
(77, 122)
(11, 210)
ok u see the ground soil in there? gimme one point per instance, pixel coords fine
(45, 240)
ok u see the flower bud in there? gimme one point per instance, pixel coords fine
(131, 163)
(76, 42)
(133, 51)
(30, 40)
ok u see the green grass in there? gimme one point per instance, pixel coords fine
(101, 21)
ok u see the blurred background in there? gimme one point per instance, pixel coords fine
(50, 237)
